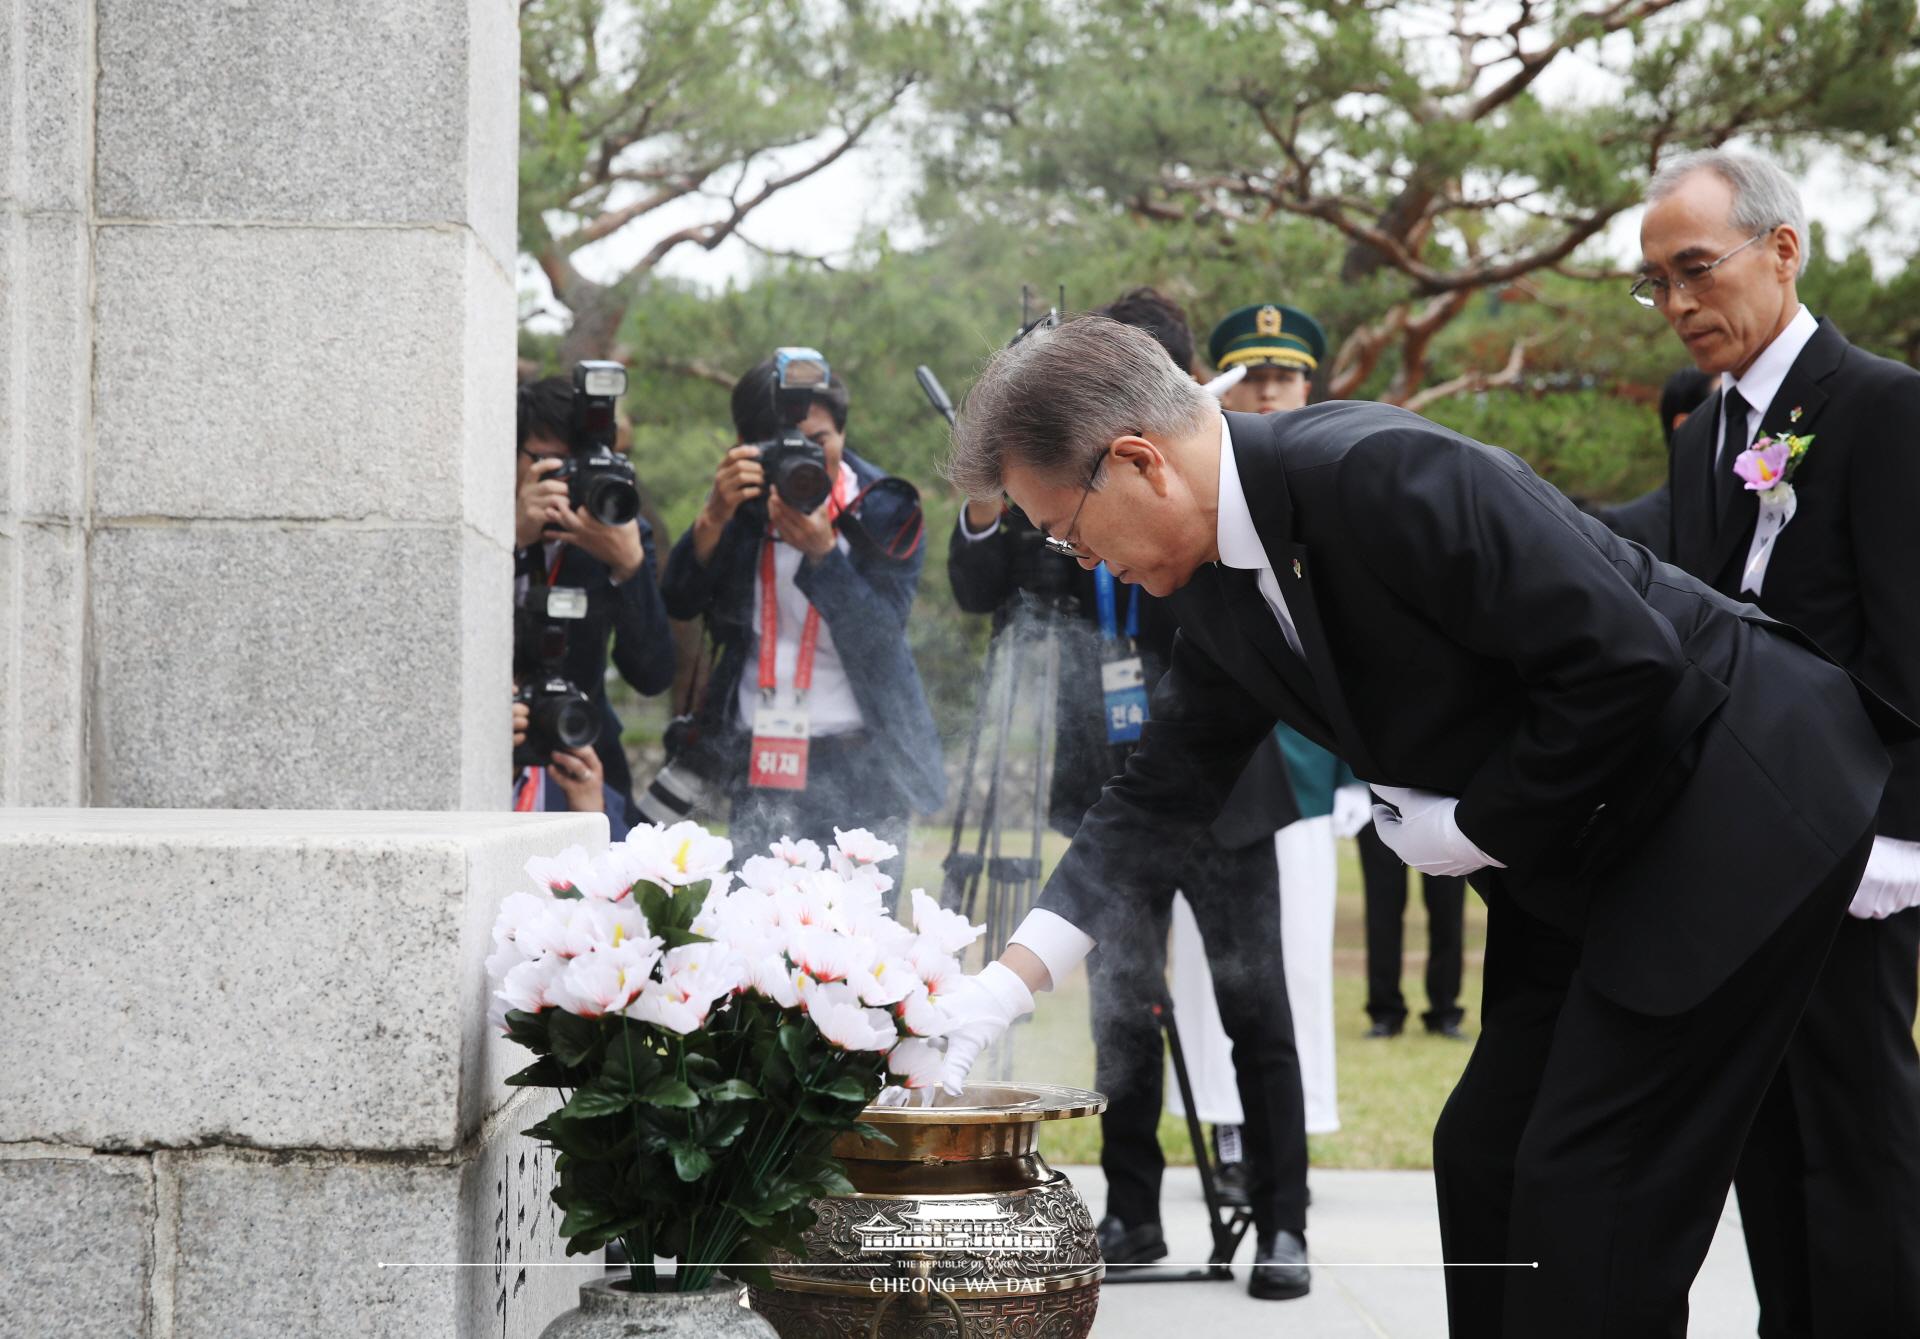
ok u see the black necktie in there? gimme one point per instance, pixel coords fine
(1733, 440)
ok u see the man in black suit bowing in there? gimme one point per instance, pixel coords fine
(1830, 1181)
(1665, 798)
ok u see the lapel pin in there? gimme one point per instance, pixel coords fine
(1794, 417)
(1296, 569)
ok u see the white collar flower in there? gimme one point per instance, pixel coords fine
(674, 857)
(855, 847)
(802, 854)
(918, 1063)
(942, 930)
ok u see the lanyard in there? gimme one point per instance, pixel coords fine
(1103, 594)
(770, 631)
(532, 781)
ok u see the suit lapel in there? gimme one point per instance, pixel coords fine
(1800, 391)
(1228, 599)
(1263, 477)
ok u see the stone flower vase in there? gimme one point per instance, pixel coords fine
(610, 1312)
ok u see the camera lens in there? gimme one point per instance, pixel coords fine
(567, 719)
(613, 501)
(803, 483)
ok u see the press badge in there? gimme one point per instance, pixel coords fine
(1124, 683)
(778, 758)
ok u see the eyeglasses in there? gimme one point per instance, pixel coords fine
(1653, 291)
(1068, 547)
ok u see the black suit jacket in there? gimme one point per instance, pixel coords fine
(988, 574)
(1844, 571)
(1665, 773)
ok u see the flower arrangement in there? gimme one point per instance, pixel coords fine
(1767, 467)
(710, 1037)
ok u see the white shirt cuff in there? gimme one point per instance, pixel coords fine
(968, 532)
(1060, 945)
(1891, 882)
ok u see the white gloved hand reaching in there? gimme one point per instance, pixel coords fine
(1424, 834)
(982, 1008)
(1352, 810)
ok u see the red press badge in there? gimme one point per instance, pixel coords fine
(778, 760)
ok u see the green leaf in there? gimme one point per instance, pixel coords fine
(545, 1072)
(725, 1126)
(846, 1088)
(585, 1218)
(831, 1180)
(873, 1133)
(667, 1091)
(793, 1040)
(690, 1161)
(733, 1090)
(598, 1101)
(573, 1038)
(629, 1063)
(527, 1029)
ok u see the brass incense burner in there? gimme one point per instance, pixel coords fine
(958, 1228)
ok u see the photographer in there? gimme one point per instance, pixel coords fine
(814, 713)
(613, 564)
(1105, 629)
(572, 782)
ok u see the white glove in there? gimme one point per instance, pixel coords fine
(1424, 833)
(893, 1095)
(1226, 381)
(1352, 810)
(982, 1008)
(1891, 882)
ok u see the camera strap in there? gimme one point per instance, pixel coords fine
(527, 794)
(1123, 679)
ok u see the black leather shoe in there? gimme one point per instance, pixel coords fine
(1449, 1029)
(1280, 1268)
(1123, 1245)
(1230, 1181)
(1382, 1028)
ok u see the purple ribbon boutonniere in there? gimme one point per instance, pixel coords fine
(1767, 468)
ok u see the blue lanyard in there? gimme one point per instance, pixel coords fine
(1109, 621)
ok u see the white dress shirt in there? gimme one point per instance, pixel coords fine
(1239, 540)
(831, 707)
(1762, 381)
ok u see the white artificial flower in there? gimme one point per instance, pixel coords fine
(857, 846)
(802, 854)
(574, 871)
(919, 1064)
(838, 1014)
(774, 978)
(765, 874)
(827, 956)
(674, 857)
(703, 972)
(945, 931)
(921, 1016)
(528, 987)
(615, 923)
(665, 1005)
(807, 906)
(517, 910)
(745, 920)
(885, 981)
(938, 970)
(603, 981)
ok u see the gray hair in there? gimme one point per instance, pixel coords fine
(1056, 400)
(1763, 196)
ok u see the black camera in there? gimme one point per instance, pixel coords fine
(796, 468)
(559, 714)
(597, 476)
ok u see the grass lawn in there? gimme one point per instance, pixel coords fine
(1390, 1091)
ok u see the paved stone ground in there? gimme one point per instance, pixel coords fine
(1358, 1218)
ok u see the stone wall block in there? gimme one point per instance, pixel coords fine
(261, 666)
(264, 978)
(282, 373)
(273, 111)
(75, 1235)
